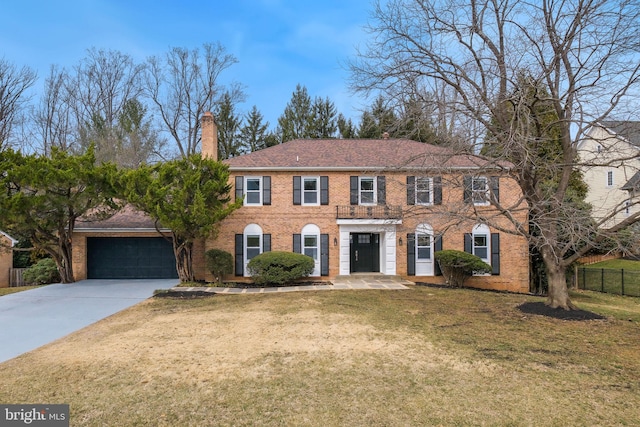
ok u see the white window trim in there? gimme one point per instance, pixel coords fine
(485, 191)
(246, 187)
(250, 231)
(417, 201)
(312, 230)
(375, 190)
(610, 179)
(481, 230)
(302, 190)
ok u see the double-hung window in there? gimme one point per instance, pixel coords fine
(609, 178)
(424, 190)
(310, 190)
(253, 190)
(367, 191)
(480, 190)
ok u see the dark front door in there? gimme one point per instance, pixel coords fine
(365, 252)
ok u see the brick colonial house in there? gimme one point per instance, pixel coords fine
(356, 206)
(368, 206)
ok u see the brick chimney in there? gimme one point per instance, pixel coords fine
(209, 136)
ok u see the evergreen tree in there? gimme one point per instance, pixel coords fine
(346, 128)
(229, 125)
(324, 119)
(378, 120)
(253, 133)
(297, 120)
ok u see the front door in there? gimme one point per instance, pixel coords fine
(365, 252)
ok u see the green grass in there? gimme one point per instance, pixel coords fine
(616, 264)
(611, 277)
(423, 356)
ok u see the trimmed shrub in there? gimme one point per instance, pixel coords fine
(278, 268)
(42, 273)
(219, 263)
(457, 266)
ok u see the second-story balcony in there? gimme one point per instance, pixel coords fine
(368, 212)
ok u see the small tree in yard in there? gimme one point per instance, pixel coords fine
(190, 196)
(457, 266)
(278, 268)
(219, 263)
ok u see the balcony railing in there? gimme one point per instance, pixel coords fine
(369, 212)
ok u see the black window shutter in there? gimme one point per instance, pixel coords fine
(353, 190)
(324, 254)
(495, 188)
(437, 190)
(437, 247)
(239, 187)
(297, 243)
(495, 253)
(266, 243)
(411, 190)
(468, 247)
(297, 190)
(467, 188)
(382, 190)
(239, 266)
(411, 254)
(266, 190)
(324, 190)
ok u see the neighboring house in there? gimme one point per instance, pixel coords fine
(6, 258)
(611, 154)
(369, 206)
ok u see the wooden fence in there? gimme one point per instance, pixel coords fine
(15, 277)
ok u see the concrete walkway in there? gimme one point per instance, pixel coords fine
(367, 281)
(30, 319)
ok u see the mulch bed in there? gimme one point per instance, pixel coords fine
(540, 308)
(183, 294)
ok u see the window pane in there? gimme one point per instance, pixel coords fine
(310, 184)
(481, 252)
(366, 184)
(311, 241)
(312, 252)
(253, 184)
(310, 197)
(252, 252)
(480, 184)
(424, 253)
(253, 197)
(367, 197)
(424, 240)
(480, 240)
(253, 241)
(364, 238)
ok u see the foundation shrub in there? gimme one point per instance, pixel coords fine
(219, 263)
(457, 266)
(279, 268)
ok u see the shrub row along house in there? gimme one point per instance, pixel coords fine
(355, 206)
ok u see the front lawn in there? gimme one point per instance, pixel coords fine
(7, 291)
(423, 356)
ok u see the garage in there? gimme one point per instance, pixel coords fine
(130, 258)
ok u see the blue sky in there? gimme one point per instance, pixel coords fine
(278, 43)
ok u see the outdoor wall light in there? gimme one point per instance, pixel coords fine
(335, 241)
(400, 241)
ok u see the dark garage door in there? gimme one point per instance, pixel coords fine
(130, 258)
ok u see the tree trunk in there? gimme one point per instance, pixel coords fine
(184, 262)
(558, 294)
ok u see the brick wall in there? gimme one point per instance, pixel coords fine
(282, 219)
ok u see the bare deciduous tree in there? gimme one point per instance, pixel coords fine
(14, 84)
(583, 53)
(184, 85)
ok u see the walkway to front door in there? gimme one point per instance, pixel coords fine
(365, 252)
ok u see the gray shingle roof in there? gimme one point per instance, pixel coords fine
(629, 130)
(633, 183)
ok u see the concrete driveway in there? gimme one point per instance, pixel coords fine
(32, 318)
